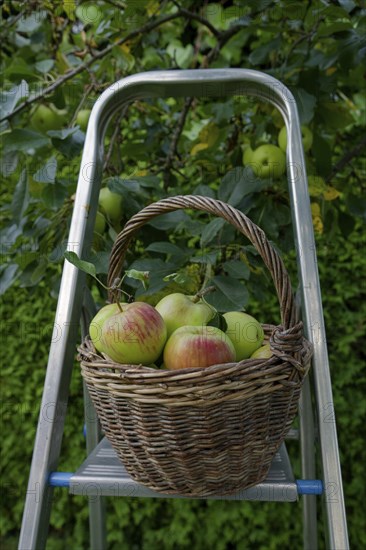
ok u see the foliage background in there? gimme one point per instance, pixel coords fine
(65, 54)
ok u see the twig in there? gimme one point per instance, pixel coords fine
(115, 134)
(197, 17)
(98, 55)
(81, 103)
(173, 148)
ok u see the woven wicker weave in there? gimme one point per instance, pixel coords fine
(201, 432)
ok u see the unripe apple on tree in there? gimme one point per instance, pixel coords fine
(178, 310)
(111, 204)
(82, 119)
(268, 161)
(135, 335)
(100, 223)
(245, 333)
(197, 346)
(247, 154)
(306, 137)
(48, 117)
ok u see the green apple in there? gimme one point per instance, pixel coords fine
(268, 161)
(178, 309)
(100, 223)
(82, 119)
(306, 137)
(197, 346)
(245, 333)
(247, 154)
(48, 117)
(264, 352)
(135, 335)
(111, 204)
(96, 325)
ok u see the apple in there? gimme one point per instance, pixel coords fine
(268, 161)
(100, 223)
(306, 137)
(197, 346)
(135, 335)
(96, 325)
(48, 117)
(264, 352)
(111, 204)
(247, 154)
(82, 119)
(245, 333)
(178, 309)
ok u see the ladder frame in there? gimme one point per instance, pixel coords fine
(180, 83)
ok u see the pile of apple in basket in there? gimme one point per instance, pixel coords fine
(177, 333)
(194, 402)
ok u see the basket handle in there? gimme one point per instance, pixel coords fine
(236, 218)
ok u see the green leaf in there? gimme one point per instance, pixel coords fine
(261, 53)
(32, 22)
(231, 294)
(305, 104)
(19, 68)
(238, 183)
(182, 55)
(74, 259)
(167, 248)
(169, 220)
(10, 98)
(47, 172)
(237, 269)
(70, 143)
(54, 196)
(24, 140)
(211, 230)
(142, 276)
(357, 206)
(63, 134)
(121, 185)
(8, 277)
(44, 66)
(323, 155)
(21, 197)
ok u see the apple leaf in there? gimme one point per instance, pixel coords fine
(24, 140)
(74, 259)
(211, 230)
(21, 197)
(142, 276)
(230, 294)
(47, 172)
(7, 277)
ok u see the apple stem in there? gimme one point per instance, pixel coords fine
(203, 293)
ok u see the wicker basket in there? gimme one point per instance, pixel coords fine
(201, 432)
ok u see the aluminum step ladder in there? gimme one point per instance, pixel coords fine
(102, 474)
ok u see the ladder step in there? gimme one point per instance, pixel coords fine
(103, 474)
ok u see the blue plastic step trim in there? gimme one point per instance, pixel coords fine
(60, 479)
(309, 486)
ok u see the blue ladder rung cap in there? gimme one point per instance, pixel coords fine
(60, 479)
(309, 486)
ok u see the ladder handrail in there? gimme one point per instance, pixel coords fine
(178, 83)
